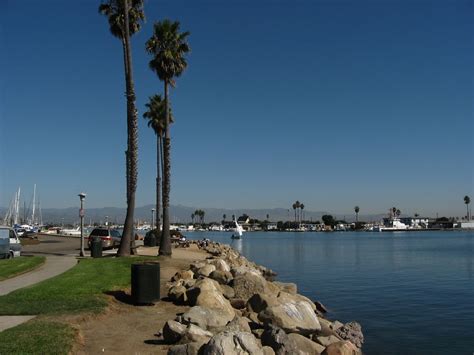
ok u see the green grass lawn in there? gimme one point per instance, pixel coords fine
(80, 289)
(16, 266)
(37, 337)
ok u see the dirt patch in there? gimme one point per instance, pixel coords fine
(128, 329)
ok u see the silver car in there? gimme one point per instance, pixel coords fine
(110, 237)
(10, 245)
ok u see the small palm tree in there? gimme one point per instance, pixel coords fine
(356, 210)
(168, 46)
(398, 212)
(156, 120)
(417, 215)
(124, 21)
(467, 201)
(233, 217)
(268, 217)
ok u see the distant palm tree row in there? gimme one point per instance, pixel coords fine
(298, 207)
(200, 214)
(168, 48)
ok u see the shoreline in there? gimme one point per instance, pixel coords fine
(235, 301)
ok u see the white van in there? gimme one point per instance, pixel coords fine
(10, 245)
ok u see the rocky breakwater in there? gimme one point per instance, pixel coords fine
(236, 308)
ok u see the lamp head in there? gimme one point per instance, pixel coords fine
(82, 196)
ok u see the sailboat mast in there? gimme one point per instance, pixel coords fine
(34, 205)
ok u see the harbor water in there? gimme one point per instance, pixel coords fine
(412, 292)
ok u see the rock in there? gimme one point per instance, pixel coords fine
(206, 318)
(177, 294)
(305, 345)
(221, 265)
(259, 302)
(196, 266)
(258, 332)
(194, 333)
(326, 341)
(185, 349)
(173, 331)
(268, 350)
(327, 328)
(201, 286)
(183, 275)
(320, 307)
(233, 343)
(284, 297)
(245, 286)
(240, 324)
(289, 287)
(279, 341)
(244, 270)
(189, 283)
(238, 303)
(223, 277)
(336, 325)
(227, 291)
(351, 331)
(292, 317)
(342, 348)
(206, 270)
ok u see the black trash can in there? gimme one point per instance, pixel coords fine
(150, 239)
(96, 247)
(145, 283)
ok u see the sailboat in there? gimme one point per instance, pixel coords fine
(238, 231)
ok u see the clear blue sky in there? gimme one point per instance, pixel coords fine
(334, 103)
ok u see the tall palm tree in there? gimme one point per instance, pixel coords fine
(398, 212)
(294, 207)
(298, 205)
(302, 212)
(156, 120)
(223, 217)
(168, 46)
(357, 209)
(124, 21)
(192, 217)
(467, 201)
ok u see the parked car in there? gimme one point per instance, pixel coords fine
(110, 237)
(10, 245)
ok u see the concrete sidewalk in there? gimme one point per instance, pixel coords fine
(53, 266)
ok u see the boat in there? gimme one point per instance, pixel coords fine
(238, 231)
(71, 232)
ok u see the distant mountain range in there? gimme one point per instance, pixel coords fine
(180, 214)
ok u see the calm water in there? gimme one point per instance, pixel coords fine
(413, 293)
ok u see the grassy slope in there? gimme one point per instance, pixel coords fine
(81, 289)
(37, 337)
(16, 266)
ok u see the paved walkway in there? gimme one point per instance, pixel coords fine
(53, 266)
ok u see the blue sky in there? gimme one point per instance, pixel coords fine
(334, 103)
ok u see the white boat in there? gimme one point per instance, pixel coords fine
(393, 224)
(71, 232)
(238, 231)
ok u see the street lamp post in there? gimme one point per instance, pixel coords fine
(82, 196)
(152, 218)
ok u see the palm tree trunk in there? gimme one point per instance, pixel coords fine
(132, 145)
(165, 244)
(158, 184)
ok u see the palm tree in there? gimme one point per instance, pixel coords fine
(124, 21)
(417, 215)
(394, 211)
(168, 46)
(467, 201)
(357, 209)
(223, 217)
(294, 207)
(192, 217)
(398, 212)
(298, 205)
(156, 120)
(233, 217)
(302, 212)
(268, 216)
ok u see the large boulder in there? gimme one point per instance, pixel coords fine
(287, 287)
(326, 340)
(284, 297)
(201, 286)
(206, 318)
(233, 343)
(185, 349)
(227, 291)
(342, 348)
(221, 265)
(260, 301)
(177, 294)
(193, 333)
(223, 277)
(305, 346)
(183, 275)
(240, 324)
(173, 331)
(206, 270)
(246, 285)
(292, 317)
(351, 331)
(279, 341)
